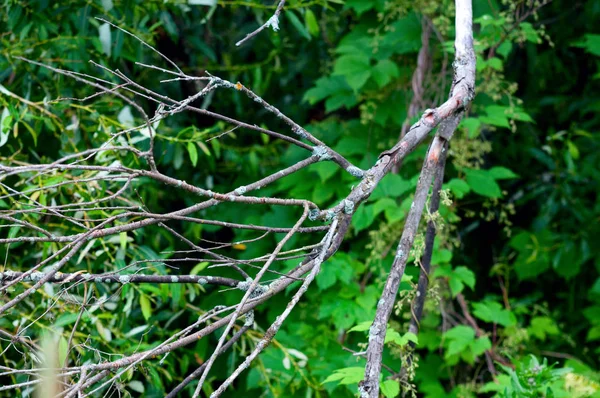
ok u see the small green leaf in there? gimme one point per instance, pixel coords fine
(346, 375)
(311, 22)
(123, 240)
(573, 150)
(502, 173)
(297, 24)
(145, 306)
(199, 268)
(193, 152)
(458, 187)
(136, 386)
(361, 327)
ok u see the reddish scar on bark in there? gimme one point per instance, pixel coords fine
(434, 154)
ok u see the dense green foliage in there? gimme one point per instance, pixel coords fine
(520, 221)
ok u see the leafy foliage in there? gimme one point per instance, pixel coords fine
(519, 230)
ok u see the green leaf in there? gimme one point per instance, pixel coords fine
(542, 326)
(5, 126)
(326, 278)
(311, 22)
(483, 183)
(336, 101)
(123, 240)
(465, 275)
(357, 80)
(193, 152)
(496, 115)
(591, 43)
(63, 349)
(105, 38)
(480, 346)
(350, 64)
(136, 386)
(390, 388)
(391, 186)
(495, 63)
(355, 68)
(65, 319)
(351, 145)
(363, 217)
(361, 327)
(573, 150)
(458, 187)
(567, 261)
(472, 125)
(325, 87)
(393, 336)
(346, 375)
(384, 72)
(325, 170)
(145, 306)
(297, 24)
(199, 268)
(384, 204)
(360, 6)
(502, 173)
(492, 312)
(458, 339)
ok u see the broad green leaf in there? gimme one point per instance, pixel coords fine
(481, 345)
(384, 204)
(492, 312)
(325, 87)
(496, 115)
(391, 186)
(384, 72)
(326, 278)
(360, 6)
(355, 68)
(325, 170)
(458, 339)
(363, 217)
(591, 43)
(502, 173)
(357, 80)
(390, 388)
(541, 326)
(483, 183)
(350, 64)
(567, 260)
(472, 125)
(458, 187)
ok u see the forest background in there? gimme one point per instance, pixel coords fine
(516, 266)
